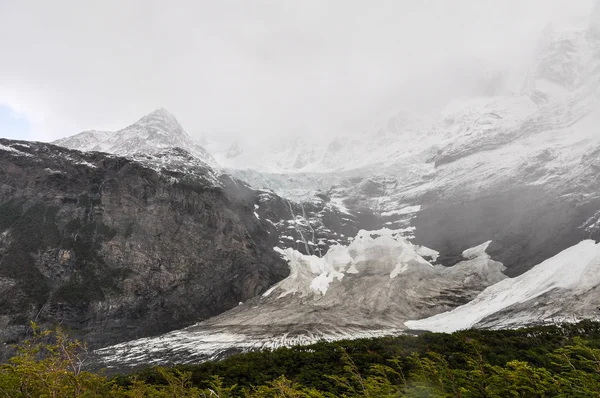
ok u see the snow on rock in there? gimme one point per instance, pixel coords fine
(309, 274)
(571, 272)
(179, 164)
(476, 251)
(379, 252)
(427, 252)
(13, 150)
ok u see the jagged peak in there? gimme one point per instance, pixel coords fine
(162, 119)
(160, 113)
(150, 134)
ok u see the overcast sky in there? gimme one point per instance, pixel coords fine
(252, 68)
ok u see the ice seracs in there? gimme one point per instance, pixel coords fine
(311, 274)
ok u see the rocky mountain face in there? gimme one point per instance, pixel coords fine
(113, 249)
(120, 247)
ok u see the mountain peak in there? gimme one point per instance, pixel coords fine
(153, 133)
(160, 113)
(159, 121)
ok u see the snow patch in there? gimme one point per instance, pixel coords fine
(50, 171)
(476, 251)
(13, 150)
(338, 203)
(85, 163)
(402, 211)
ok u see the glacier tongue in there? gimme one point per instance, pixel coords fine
(568, 281)
(368, 288)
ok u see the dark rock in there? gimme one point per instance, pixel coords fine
(115, 250)
(526, 224)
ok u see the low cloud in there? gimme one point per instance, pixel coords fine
(258, 68)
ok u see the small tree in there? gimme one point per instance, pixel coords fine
(50, 365)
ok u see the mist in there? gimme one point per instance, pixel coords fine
(259, 69)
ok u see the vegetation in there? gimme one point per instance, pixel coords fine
(550, 361)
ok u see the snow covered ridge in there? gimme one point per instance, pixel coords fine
(13, 149)
(561, 288)
(31, 150)
(178, 161)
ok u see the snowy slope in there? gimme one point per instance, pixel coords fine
(324, 154)
(485, 160)
(570, 279)
(153, 133)
(564, 69)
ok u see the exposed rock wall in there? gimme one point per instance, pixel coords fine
(115, 250)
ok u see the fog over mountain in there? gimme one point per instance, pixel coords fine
(260, 69)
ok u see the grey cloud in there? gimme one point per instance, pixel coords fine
(256, 68)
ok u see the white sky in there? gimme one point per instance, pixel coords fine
(254, 68)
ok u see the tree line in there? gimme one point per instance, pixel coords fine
(544, 361)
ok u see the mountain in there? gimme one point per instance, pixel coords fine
(485, 216)
(520, 170)
(310, 224)
(117, 247)
(154, 132)
(113, 249)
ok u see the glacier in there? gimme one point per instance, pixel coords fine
(570, 279)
